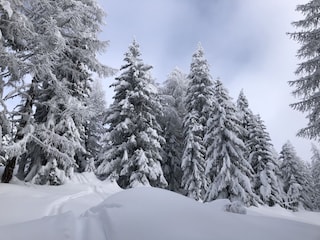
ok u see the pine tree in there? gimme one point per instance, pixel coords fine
(172, 100)
(294, 173)
(134, 156)
(315, 171)
(266, 180)
(198, 104)
(307, 85)
(229, 171)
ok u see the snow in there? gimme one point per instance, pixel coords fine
(86, 208)
(6, 7)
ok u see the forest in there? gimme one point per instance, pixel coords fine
(186, 134)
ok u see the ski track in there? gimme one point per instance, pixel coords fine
(56, 207)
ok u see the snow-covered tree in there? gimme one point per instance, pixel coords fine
(134, 156)
(266, 180)
(16, 34)
(172, 96)
(94, 128)
(198, 105)
(307, 85)
(245, 116)
(61, 49)
(295, 179)
(229, 171)
(315, 171)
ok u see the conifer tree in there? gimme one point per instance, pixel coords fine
(95, 126)
(172, 100)
(17, 34)
(315, 171)
(134, 156)
(295, 179)
(229, 171)
(198, 104)
(245, 116)
(60, 53)
(266, 179)
(307, 85)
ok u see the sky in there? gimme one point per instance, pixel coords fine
(245, 42)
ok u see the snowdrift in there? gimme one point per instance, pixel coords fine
(149, 213)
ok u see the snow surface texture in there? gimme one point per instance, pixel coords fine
(140, 213)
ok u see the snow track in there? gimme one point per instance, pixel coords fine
(56, 207)
(89, 190)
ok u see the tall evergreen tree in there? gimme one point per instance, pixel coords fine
(307, 85)
(134, 157)
(95, 126)
(315, 171)
(198, 104)
(229, 171)
(294, 174)
(60, 53)
(172, 100)
(266, 180)
(17, 34)
(245, 116)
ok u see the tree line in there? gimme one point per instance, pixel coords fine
(186, 135)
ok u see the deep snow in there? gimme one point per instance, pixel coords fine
(78, 211)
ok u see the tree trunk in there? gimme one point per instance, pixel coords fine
(26, 115)
(8, 171)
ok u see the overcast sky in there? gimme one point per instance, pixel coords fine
(245, 43)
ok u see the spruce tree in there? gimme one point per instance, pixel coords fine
(266, 180)
(198, 104)
(315, 171)
(172, 99)
(245, 116)
(134, 156)
(95, 125)
(229, 171)
(295, 179)
(307, 85)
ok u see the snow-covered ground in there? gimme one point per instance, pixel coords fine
(86, 208)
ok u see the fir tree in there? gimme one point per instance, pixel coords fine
(245, 116)
(172, 100)
(134, 156)
(295, 179)
(315, 171)
(198, 104)
(95, 129)
(266, 180)
(229, 171)
(307, 85)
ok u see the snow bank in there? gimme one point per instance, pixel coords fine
(141, 214)
(150, 213)
(21, 202)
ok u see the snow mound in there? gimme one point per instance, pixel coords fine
(236, 207)
(149, 213)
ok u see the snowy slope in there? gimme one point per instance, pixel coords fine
(137, 214)
(20, 202)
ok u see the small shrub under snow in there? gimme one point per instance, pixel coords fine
(236, 207)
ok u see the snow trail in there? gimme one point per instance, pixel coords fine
(56, 207)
